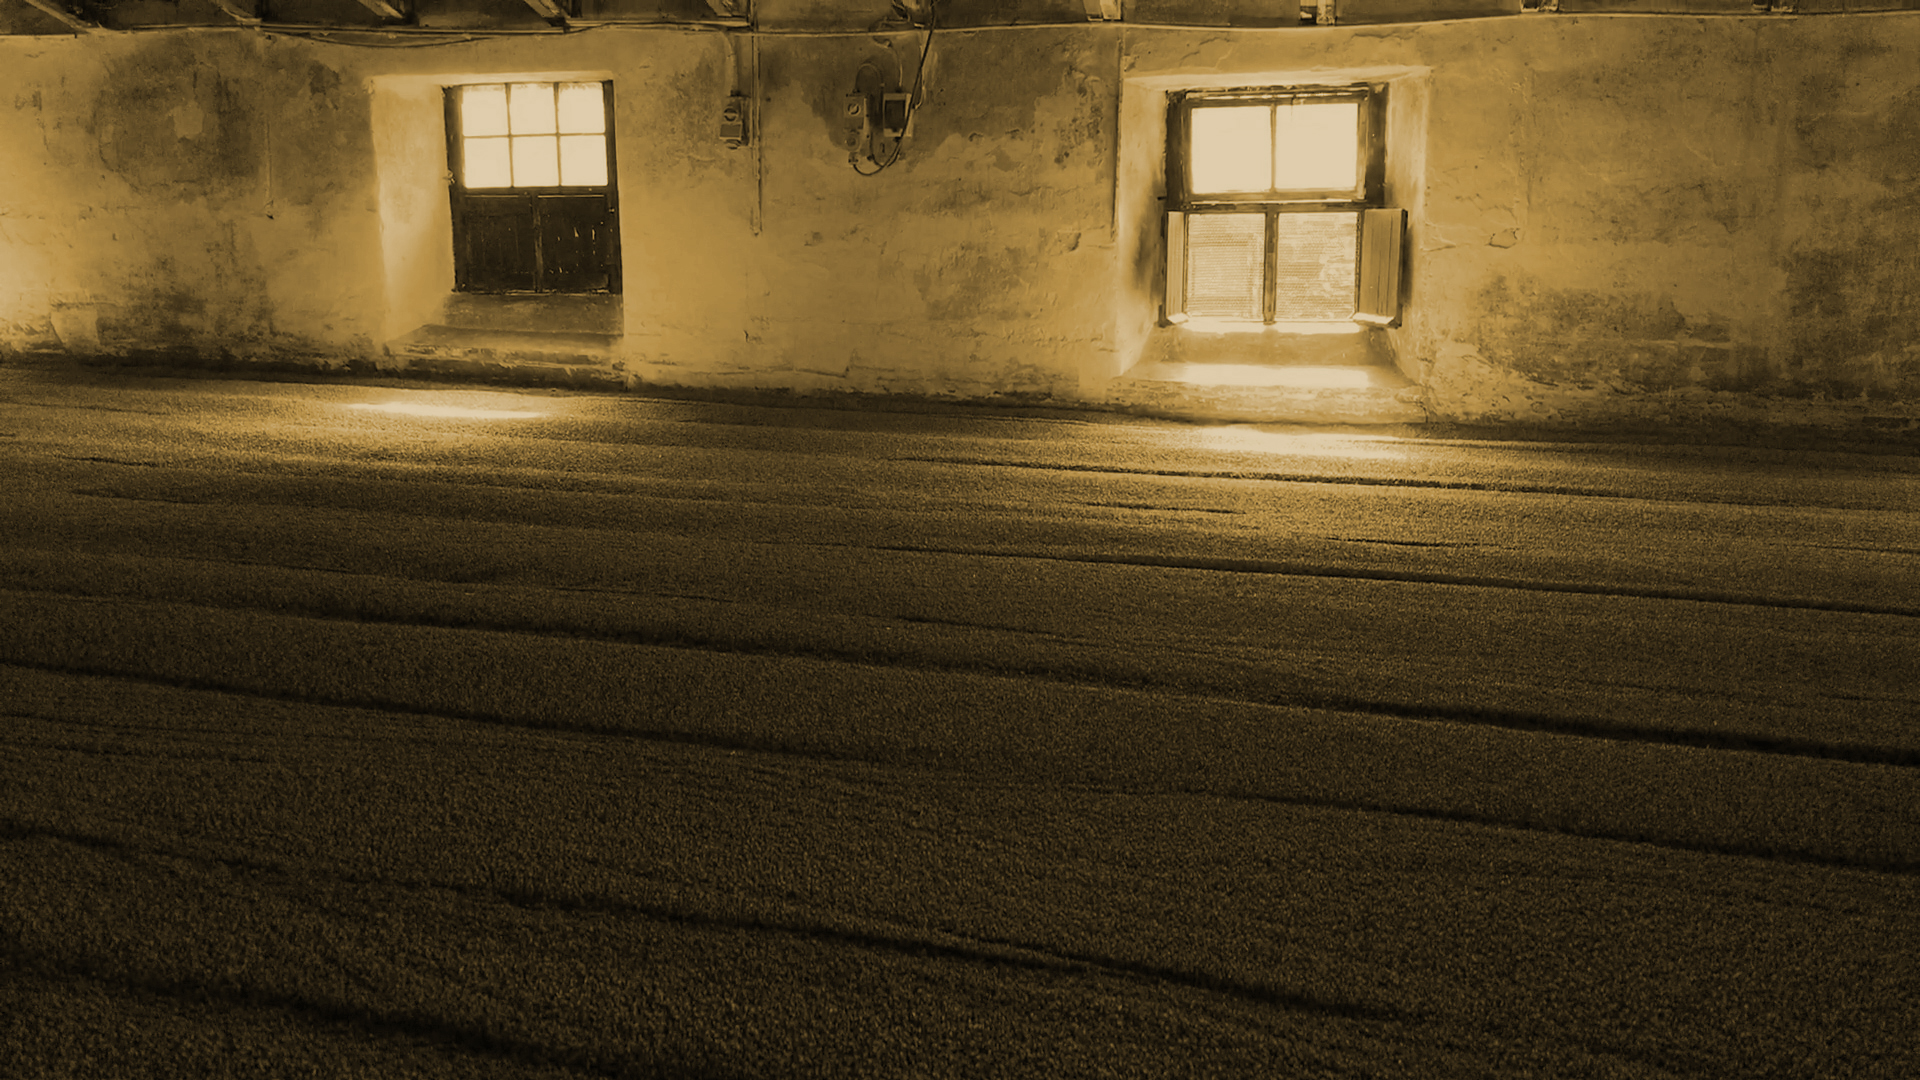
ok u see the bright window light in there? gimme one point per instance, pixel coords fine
(530, 108)
(583, 108)
(533, 135)
(1232, 148)
(1280, 147)
(536, 162)
(583, 160)
(483, 110)
(1316, 145)
(487, 164)
(1226, 256)
(1270, 197)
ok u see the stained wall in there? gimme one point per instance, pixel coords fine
(1611, 217)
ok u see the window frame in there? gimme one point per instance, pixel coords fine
(1370, 147)
(536, 202)
(1369, 192)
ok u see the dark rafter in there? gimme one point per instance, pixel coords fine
(72, 19)
(549, 10)
(385, 10)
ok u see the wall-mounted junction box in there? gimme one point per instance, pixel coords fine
(896, 115)
(856, 132)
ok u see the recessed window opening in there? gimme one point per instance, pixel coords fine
(1268, 191)
(533, 197)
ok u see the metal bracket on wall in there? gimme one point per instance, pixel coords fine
(733, 121)
(856, 122)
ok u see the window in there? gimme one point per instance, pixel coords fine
(533, 187)
(1273, 195)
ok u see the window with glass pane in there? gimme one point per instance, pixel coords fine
(1225, 254)
(1316, 262)
(519, 135)
(533, 197)
(1270, 183)
(1274, 148)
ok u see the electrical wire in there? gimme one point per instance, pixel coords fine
(913, 97)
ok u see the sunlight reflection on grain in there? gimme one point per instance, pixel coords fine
(408, 408)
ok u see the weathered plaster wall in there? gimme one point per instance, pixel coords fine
(1592, 234)
(1621, 219)
(1610, 217)
(230, 194)
(177, 192)
(1727, 243)
(1849, 227)
(978, 260)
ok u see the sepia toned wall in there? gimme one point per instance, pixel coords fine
(1610, 216)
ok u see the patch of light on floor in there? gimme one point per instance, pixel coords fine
(410, 408)
(1311, 443)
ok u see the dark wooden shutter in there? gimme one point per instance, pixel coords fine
(1382, 250)
(575, 240)
(495, 243)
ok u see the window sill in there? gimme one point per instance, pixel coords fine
(599, 314)
(1202, 325)
(1230, 341)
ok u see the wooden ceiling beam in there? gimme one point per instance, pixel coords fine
(549, 10)
(238, 11)
(385, 10)
(73, 20)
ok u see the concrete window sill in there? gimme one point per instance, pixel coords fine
(1222, 341)
(600, 314)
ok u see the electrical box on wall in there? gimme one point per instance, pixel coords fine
(856, 132)
(896, 114)
(733, 121)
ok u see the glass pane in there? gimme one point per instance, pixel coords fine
(1316, 146)
(535, 163)
(486, 163)
(1226, 258)
(583, 159)
(530, 108)
(582, 108)
(1232, 148)
(1316, 265)
(483, 109)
